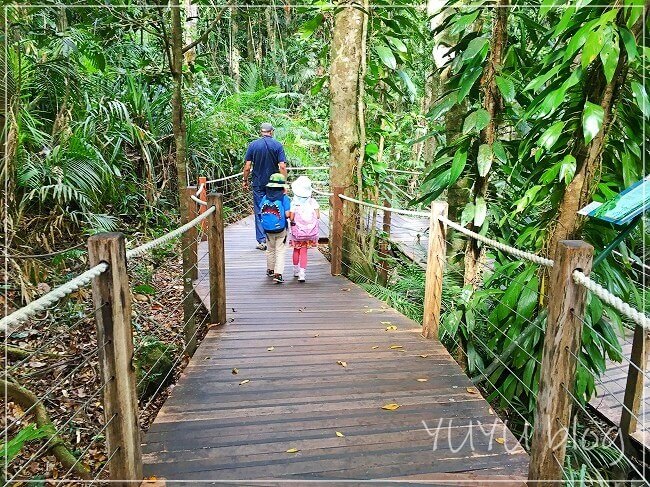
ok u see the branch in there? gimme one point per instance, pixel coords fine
(207, 31)
(28, 400)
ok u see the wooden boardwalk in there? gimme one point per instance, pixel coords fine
(312, 360)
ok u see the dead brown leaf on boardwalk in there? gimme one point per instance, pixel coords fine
(375, 347)
(316, 335)
(500, 440)
(422, 380)
(491, 411)
(472, 390)
(345, 289)
(270, 349)
(339, 434)
(235, 370)
(391, 328)
(245, 381)
(424, 355)
(342, 363)
(293, 450)
(395, 347)
(390, 407)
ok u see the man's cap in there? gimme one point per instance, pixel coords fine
(277, 181)
(266, 127)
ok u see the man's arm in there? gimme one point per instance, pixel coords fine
(247, 171)
(283, 168)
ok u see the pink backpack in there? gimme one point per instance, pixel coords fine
(306, 223)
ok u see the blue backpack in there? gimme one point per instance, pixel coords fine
(273, 215)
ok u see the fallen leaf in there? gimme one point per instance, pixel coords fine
(395, 347)
(368, 311)
(141, 297)
(424, 355)
(37, 365)
(391, 328)
(339, 434)
(235, 371)
(341, 363)
(390, 407)
(500, 440)
(375, 347)
(245, 381)
(293, 450)
(472, 390)
(422, 380)
(491, 411)
(316, 335)
(270, 349)
(386, 323)
(345, 289)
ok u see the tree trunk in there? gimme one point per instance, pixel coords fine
(235, 72)
(269, 18)
(191, 29)
(346, 55)
(493, 104)
(178, 117)
(578, 192)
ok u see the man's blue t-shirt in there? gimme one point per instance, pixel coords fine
(266, 153)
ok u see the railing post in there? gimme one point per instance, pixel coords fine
(562, 343)
(634, 385)
(190, 249)
(203, 197)
(217, 258)
(112, 300)
(436, 255)
(336, 239)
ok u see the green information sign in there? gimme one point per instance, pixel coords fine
(624, 207)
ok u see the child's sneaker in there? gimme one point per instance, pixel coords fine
(301, 275)
(278, 278)
(296, 271)
(269, 273)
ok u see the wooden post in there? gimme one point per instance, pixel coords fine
(190, 249)
(383, 245)
(217, 258)
(436, 255)
(112, 300)
(336, 238)
(203, 197)
(635, 379)
(562, 342)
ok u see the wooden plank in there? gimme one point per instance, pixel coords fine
(211, 427)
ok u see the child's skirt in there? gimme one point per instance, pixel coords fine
(303, 244)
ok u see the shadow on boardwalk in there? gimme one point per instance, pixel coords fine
(289, 343)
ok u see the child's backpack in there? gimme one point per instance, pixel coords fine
(305, 222)
(273, 215)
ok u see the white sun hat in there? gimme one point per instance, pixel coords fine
(301, 187)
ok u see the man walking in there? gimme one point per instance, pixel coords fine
(266, 156)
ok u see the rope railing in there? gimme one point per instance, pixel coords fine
(614, 301)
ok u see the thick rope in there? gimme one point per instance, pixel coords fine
(197, 200)
(82, 280)
(226, 178)
(143, 249)
(392, 210)
(498, 245)
(47, 300)
(200, 188)
(615, 302)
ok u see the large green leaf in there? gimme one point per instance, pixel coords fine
(499, 151)
(386, 55)
(474, 47)
(567, 169)
(506, 87)
(484, 160)
(468, 214)
(592, 120)
(551, 135)
(397, 44)
(593, 45)
(441, 107)
(469, 123)
(609, 57)
(578, 39)
(457, 165)
(482, 119)
(641, 98)
(480, 212)
(630, 43)
(410, 86)
(307, 29)
(461, 23)
(467, 80)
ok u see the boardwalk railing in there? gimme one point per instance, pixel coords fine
(124, 369)
(556, 401)
(119, 339)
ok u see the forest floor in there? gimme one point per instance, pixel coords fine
(56, 359)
